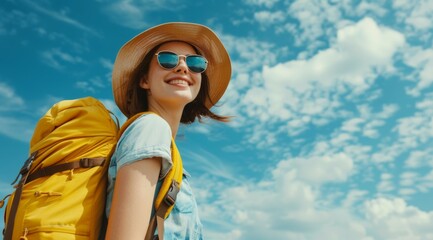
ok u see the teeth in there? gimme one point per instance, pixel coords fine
(180, 82)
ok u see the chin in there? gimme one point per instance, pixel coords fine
(183, 99)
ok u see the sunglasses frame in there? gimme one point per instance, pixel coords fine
(178, 60)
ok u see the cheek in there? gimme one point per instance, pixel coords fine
(198, 80)
(153, 73)
(144, 83)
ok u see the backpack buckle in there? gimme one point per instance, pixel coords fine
(171, 195)
(28, 163)
(26, 167)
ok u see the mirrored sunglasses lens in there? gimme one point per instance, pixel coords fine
(168, 60)
(196, 64)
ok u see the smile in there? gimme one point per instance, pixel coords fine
(179, 82)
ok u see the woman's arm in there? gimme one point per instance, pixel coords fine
(133, 199)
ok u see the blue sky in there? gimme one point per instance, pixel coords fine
(333, 100)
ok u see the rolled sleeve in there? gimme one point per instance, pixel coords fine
(147, 137)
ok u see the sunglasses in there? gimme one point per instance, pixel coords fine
(170, 60)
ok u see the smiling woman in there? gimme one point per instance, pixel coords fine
(167, 75)
(333, 103)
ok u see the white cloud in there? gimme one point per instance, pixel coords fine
(388, 153)
(209, 164)
(353, 197)
(301, 93)
(394, 219)
(13, 21)
(352, 125)
(56, 58)
(313, 16)
(11, 126)
(368, 123)
(61, 16)
(133, 13)
(385, 184)
(250, 53)
(365, 7)
(420, 158)
(408, 179)
(416, 14)
(93, 85)
(268, 18)
(418, 128)
(286, 206)
(106, 63)
(422, 62)
(266, 3)
(112, 107)
(322, 169)
(347, 66)
(9, 99)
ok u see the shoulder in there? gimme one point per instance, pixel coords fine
(148, 136)
(150, 125)
(146, 131)
(151, 121)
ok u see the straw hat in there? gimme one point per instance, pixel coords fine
(134, 51)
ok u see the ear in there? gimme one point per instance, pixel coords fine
(143, 83)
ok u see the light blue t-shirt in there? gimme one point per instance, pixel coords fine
(150, 136)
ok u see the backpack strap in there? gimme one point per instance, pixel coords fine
(25, 170)
(164, 201)
(50, 170)
(157, 221)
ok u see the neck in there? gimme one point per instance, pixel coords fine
(172, 116)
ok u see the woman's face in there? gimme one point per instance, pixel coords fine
(171, 87)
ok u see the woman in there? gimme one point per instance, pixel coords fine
(177, 71)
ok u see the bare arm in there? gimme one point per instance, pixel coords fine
(132, 199)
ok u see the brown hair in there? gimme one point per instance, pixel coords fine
(137, 96)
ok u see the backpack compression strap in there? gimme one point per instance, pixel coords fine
(50, 170)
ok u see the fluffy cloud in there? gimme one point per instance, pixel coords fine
(416, 14)
(268, 18)
(304, 92)
(421, 60)
(312, 16)
(290, 205)
(394, 219)
(418, 128)
(358, 50)
(420, 158)
(321, 169)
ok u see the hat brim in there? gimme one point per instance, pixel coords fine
(133, 52)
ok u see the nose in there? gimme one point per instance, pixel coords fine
(182, 67)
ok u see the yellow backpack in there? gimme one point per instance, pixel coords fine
(62, 189)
